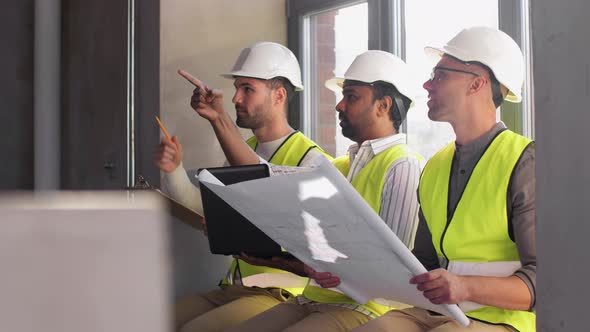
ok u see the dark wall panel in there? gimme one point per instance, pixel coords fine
(94, 96)
(16, 94)
(561, 63)
(147, 87)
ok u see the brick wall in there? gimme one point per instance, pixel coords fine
(325, 62)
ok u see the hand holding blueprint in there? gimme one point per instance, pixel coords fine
(323, 221)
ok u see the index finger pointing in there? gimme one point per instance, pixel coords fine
(193, 80)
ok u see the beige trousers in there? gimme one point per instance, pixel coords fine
(420, 320)
(225, 307)
(293, 317)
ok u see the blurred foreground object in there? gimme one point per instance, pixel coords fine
(84, 261)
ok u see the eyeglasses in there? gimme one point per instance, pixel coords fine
(434, 76)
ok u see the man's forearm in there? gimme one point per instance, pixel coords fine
(292, 265)
(235, 149)
(503, 292)
(179, 186)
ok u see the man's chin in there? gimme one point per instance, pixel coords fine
(346, 133)
(434, 115)
(245, 125)
(241, 123)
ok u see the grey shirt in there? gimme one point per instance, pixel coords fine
(520, 206)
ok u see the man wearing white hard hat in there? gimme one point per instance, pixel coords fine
(377, 93)
(477, 216)
(266, 76)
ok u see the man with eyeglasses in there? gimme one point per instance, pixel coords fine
(476, 234)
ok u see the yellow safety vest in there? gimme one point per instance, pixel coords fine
(369, 183)
(291, 152)
(476, 237)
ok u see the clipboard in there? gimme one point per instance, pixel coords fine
(181, 212)
(175, 208)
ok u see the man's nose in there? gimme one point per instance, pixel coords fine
(427, 85)
(235, 98)
(340, 106)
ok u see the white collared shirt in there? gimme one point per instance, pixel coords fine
(360, 156)
(399, 203)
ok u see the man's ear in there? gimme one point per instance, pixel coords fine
(384, 105)
(477, 84)
(280, 95)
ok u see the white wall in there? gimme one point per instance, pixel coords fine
(204, 38)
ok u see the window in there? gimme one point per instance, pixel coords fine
(333, 39)
(326, 35)
(434, 23)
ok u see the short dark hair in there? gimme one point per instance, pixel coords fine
(497, 95)
(280, 81)
(382, 89)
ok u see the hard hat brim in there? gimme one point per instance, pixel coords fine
(335, 84)
(434, 51)
(233, 75)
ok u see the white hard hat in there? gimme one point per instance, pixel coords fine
(494, 49)
(372, 66)
(267, 60)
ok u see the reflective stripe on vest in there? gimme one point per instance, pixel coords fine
(491, 269)
(478, 230)
(291, 152)
(371, 188)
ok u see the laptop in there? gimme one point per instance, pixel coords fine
(228, 231)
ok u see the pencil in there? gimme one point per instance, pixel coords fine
(163, 128)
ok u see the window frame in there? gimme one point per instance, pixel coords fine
(387, 33)
(514, 19)
(381, 37)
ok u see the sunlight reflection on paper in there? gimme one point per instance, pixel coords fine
(317, 242)
(326, 189)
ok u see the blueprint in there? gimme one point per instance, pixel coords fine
(323, 221)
